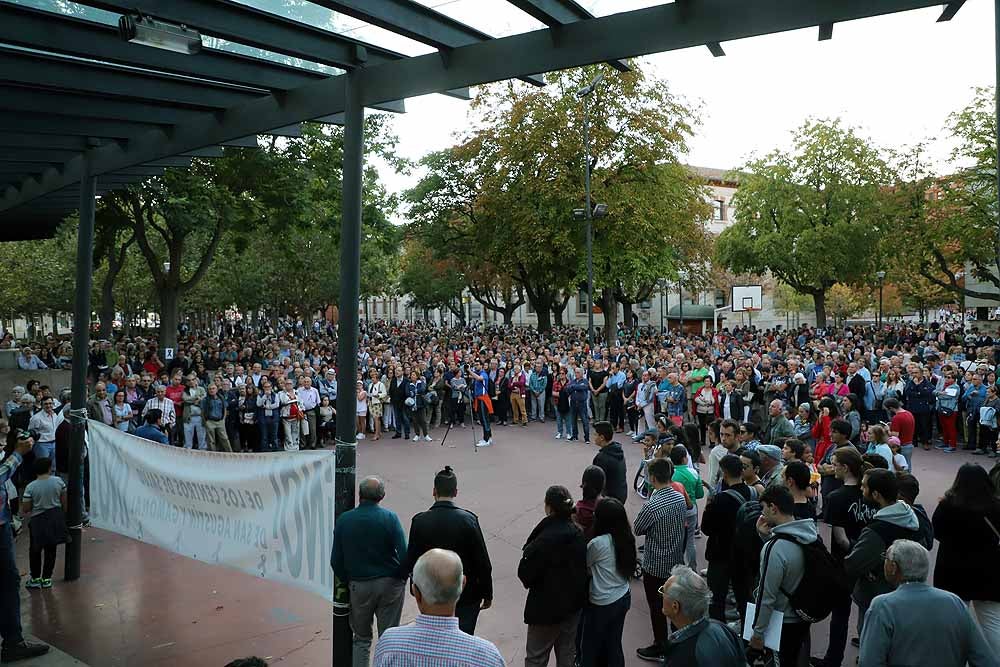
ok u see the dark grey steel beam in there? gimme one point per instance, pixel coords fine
(208, 151)
(35, 155)
(416, 21)
(49, 141)
(50, 32)
(555, 13)
(825, 32)
(253, 27)
(169, 162)
(716, 49)
(623, 35)
(43, 30)
(243, 142)
(656, 29)
(32, 69)
(950, 9)
(34, 100)
(47, 123)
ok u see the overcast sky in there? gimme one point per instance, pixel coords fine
(897, 77)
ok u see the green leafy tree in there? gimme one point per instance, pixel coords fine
(500, 203)
(950, 223)
(812, 216)
(431, 282)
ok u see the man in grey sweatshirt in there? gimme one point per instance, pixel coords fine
(894, 520)
(782, 566)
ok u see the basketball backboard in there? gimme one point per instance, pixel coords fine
(747, 298)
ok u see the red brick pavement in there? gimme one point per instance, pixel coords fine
(139, 605)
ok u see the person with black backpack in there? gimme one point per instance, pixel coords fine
(785, 585)
(719, 524)
(894, 520)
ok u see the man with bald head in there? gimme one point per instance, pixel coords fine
(369, 549)
(434, 638)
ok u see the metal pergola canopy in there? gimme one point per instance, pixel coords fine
(72, 90)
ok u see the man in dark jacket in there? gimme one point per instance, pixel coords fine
(447, 526)
(698, 640)
(894, 520)
(719, 524)
(554, 570)
(611, 459)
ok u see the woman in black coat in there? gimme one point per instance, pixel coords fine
(966, 522)
(554, 570)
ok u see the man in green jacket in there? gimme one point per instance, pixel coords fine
(696, 491)
(369, 549)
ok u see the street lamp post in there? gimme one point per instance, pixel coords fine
(584, 94)
(881, 281)
(663, 304)
(681, 276)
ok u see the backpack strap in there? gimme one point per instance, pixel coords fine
(760, 586)
(733, 493)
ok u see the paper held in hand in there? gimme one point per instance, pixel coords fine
(772, 636)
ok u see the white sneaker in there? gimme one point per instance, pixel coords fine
(360, 436)
(487, 443)
(428, 438)
(481, 443)
(558, 436)
(416, 438)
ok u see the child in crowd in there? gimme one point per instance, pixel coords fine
(44, 503)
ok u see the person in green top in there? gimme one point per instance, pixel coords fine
(696, 490)
(696, 378)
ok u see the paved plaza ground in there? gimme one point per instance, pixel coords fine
(139, 605)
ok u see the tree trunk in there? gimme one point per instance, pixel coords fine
(609, 308)
(545, 319)
(169, 304)
(627, 313)
(107, 311)
(819, 301)
(508, 316)
(557, 316)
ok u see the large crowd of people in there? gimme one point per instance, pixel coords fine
(750, 439)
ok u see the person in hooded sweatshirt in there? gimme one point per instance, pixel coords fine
(611, 459)
(782, 566)
(894, 520)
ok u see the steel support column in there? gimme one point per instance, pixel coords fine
(347, 340)
(81, 346)
(996, 91)
(590, 223)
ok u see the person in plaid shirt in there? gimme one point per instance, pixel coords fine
(433, 639)
(14, 647)
(662, 520)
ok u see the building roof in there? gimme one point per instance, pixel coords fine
(713, 175)
(694, 312)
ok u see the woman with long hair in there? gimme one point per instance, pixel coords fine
(121, 412)
(611, 560)
(967, 527)
(553, 568)
(849, 407)
(246, 405)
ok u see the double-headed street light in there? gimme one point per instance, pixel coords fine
(590, 212)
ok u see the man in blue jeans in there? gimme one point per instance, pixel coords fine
(14, 647)
(579, 393)
(481, 400)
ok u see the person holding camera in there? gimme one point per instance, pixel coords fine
(14, 647)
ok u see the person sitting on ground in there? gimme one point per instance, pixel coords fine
(436, 585)
(918, 624)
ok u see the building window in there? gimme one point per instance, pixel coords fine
(720, 298)
(718, 209)
(581, 302)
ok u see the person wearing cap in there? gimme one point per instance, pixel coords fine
(771, 465)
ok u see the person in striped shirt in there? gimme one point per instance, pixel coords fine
(433, 639)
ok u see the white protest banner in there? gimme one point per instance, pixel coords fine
(270, 515)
